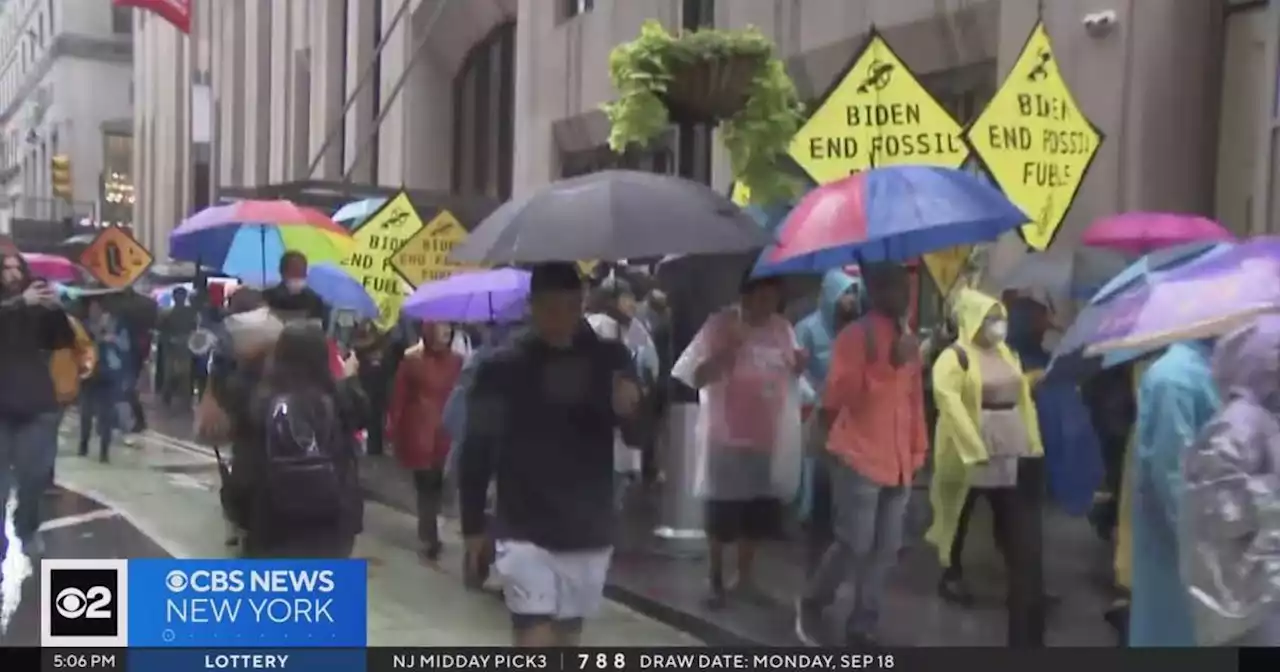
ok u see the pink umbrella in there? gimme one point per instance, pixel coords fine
(1144, 232)
(53, 268)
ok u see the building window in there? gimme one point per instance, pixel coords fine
(483, 111)
(572, 8)
(121, 20)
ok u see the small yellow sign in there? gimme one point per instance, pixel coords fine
(1035, 141)
(740, 195)
(425, 256)
(587, 268)
(115, 258)
(377, 240)
(946, 266)
(877, 115)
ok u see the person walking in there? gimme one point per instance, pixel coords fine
(108, 386)
(541, 418)
(745, 361)
(416, 428)
(988, 446)
(293, 485)
(1176, 397)
(176, 327)
(839, 303)
(69, 368)
(873, 407)
(32, 326)
(1230, 535)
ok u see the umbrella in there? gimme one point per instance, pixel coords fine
(482, 296)
(247, 238)
(341, 290)
(612, 214)
(352, 215)
(1078, 275)
(1203, 299)
(895, 214)
(1069, 358)
(1143, 232)
(74, 246)
(52, 268)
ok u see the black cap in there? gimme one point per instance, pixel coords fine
(555, 276)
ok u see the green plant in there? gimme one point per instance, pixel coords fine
(757, 135)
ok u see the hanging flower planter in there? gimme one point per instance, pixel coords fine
(727, 77)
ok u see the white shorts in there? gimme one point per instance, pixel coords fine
(560, 585)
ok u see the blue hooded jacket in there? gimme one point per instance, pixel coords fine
(818, 330)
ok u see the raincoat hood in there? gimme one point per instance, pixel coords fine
(1246, 363)
(835, 283)
(970, 308)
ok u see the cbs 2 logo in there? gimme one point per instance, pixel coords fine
(75, 603)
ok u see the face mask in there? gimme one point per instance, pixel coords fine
(295, 285)
(997, 331)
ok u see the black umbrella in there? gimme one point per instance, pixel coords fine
(613, 214)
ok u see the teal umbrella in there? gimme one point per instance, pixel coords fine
(352, 215)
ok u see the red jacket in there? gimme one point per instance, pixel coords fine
(414, 420)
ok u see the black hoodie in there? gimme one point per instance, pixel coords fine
(541, 421)
(28, 337)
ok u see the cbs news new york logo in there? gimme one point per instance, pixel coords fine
(84, 603)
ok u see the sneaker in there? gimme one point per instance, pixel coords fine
(130, 440)
(430, 553)
(808, 624)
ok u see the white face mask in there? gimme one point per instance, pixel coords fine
(295, 285)
(997, 331)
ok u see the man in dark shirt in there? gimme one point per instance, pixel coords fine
(540, 419)
(292, 298)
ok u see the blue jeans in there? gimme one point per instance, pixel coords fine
(28, 449)
(867, 526)
(97, 405)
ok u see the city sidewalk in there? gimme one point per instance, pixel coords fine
(170, 494)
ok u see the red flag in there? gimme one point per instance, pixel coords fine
(176, 12)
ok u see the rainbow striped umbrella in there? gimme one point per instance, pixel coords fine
(246, 239)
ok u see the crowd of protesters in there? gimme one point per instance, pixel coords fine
(541, 428)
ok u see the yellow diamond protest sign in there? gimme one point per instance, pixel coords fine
(377, 240)
(425, 257)
(946, 266)
(877, 114)
(1035, 141)
(115, 258)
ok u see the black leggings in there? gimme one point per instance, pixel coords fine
(1016, 525)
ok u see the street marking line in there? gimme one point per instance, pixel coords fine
(78, 519)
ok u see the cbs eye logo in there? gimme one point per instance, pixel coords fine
(83, 602)
(76, 603)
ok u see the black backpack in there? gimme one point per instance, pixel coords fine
(309, 466)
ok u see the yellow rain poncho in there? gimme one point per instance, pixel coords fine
(958, 443)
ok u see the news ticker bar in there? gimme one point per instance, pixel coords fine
(597, 659)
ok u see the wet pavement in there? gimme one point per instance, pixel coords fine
(672, 587)
(160, 498)
(74, 526)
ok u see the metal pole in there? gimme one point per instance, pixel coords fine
(334, 129)
(385, 107)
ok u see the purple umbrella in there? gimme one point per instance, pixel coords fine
(482, 296)
(1203, 299)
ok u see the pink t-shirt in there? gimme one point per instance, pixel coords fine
(746, 403)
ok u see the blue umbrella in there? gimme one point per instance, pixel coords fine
(340, 290)
(1069, 357)
(352, 215)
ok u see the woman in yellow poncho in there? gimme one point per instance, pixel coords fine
(988, 445)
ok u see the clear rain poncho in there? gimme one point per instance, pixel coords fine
(1230, 509)
(730, 465)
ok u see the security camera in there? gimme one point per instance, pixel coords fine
(1099, 24)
